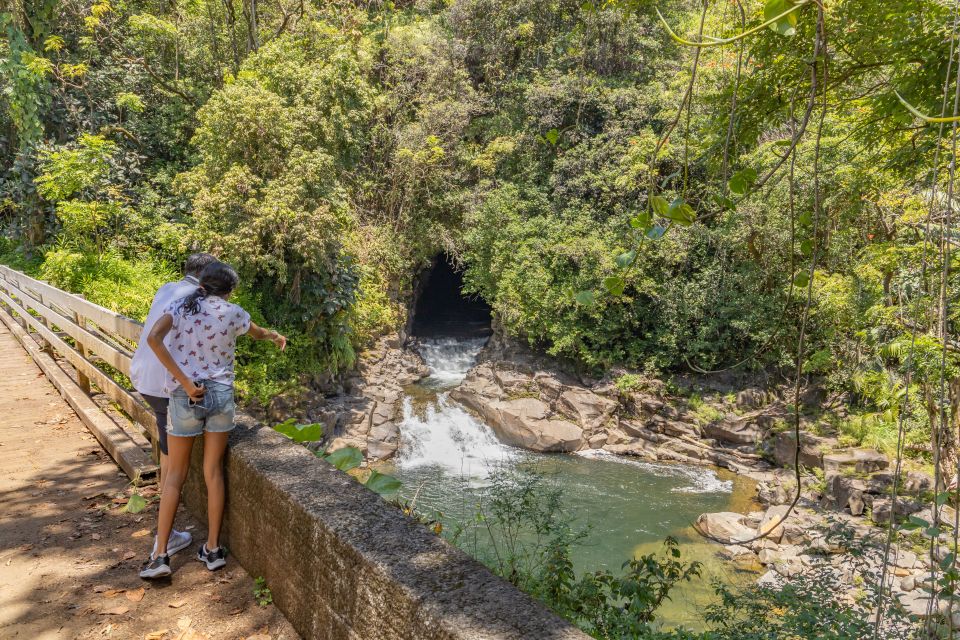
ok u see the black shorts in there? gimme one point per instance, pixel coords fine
(159, 406)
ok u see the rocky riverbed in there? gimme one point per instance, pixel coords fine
(531, 403)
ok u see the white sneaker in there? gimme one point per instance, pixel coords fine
(178, 541)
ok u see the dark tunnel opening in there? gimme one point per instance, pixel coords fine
(442, 309)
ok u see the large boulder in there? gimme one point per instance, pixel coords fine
(725, 526)
(771, 524)
(735, 430)
(590, 410)
(847, 492)
(812, 449)
(383, 440)
(858, 460)
(526, 423)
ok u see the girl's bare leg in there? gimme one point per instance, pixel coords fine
(214, 447)
(174, 475)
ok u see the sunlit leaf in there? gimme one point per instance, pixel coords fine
(786, 26)
(742, 180)
(615, 285)
(552, 136)
(801, 280)
(300, 432)
(624, 260)
(382, 483)
(136, 503)
(660, 205)
(586, 298)
(345, 459)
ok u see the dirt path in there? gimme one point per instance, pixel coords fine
(69, 551)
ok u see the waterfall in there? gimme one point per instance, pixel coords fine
(442, 434)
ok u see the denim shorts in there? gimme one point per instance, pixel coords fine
(215, 413)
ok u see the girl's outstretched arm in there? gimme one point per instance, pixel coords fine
(259, 333)
(155, 339)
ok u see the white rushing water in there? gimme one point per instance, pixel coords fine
(443, 434)
(701, 479)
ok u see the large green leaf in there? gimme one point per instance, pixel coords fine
(680, 212)
(615, 285)
(786, 26)
(624, 260)
(345, 459)
(660, 205)
(742, 180)
(552, 136)
(586, 298)
(300, 432)
(382, 483)
(801, 280)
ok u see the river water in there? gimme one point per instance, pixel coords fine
(447, 457)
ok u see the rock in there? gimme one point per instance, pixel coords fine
(794, 534)
(724, 526)
(772, 493)
(847, 492)
(383, 440)
(515, 383)
(880, 482)
(734, 551)
(736, 430)
(768, 556)
(770, 580)
(811, 449)
(917, 481)
(597, 441)
(788, 567)
(550, 387)
(590, 410)
(751, 398)
(860, 460)
(525, 423)
(908, 583)
(881, 509)
(770, 524)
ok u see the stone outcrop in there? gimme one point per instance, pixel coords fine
(812, 448)
(367, 415)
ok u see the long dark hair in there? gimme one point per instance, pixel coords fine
(216, 279)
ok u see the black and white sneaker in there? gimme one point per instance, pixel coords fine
(213, 559)
(158, 567)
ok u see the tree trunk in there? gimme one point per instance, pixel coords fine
(945, 435)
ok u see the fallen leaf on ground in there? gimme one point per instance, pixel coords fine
(140, 534)
(176, 604)
(216, 598)
(112, 593)
(259, 636)
(96, 536)
(116, 611)
(184, 622)
(128, 555)
(236, 612)
(192, 634)
(136, 595)
(155, 635)
(100, 588)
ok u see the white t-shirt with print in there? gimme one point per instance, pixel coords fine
(147, 374)
(204, 344)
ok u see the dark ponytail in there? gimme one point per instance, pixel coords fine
(216, 279)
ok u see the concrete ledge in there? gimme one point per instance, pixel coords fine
(343, 564)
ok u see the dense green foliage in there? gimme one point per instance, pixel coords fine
(617, 198)
(620, 199)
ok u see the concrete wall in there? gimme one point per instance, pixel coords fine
(343, 564)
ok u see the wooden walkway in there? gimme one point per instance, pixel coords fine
(69, 552)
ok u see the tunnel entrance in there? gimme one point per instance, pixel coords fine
(442, 309)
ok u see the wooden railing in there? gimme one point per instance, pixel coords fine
(98, 344)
